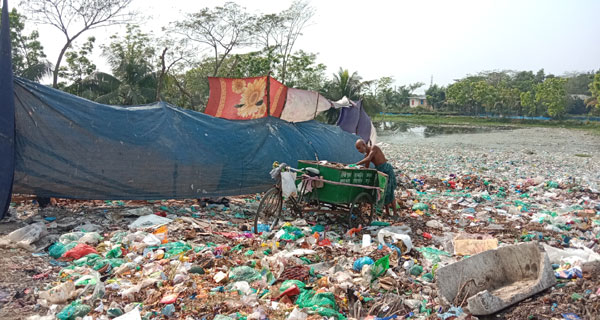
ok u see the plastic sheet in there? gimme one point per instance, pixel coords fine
(155, 151)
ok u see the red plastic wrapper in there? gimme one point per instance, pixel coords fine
(80, 250)
(291, 291)
(324, 242)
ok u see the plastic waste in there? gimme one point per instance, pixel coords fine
(420, 206)
(134, 314)
(570, 273)
(168, 310)
(452, 312)
(570, 255)
(169, 298)
(366, 241)
(380, 266)
(162, 234)
(242, 287)
(380, 224)
(296, 314)
(57, 250)
(73, 311)
(262, 228)
(290, 283)
(149, 221)
(24, 237)
(290, 291)
(433, 254)
(80, 250)
(220, 276)
(152, 240)
(361, 262)
(288, 184)
(142, 211)
(396, 234)
(60, 294)
(309, 298)
(416, 270)
(244, 273)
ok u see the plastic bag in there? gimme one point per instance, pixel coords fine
(162, 234)
(288, 184)
(433, 254)
(289, 283)
(296, 314)
(24, 237)
(57, 250)
(60, 294)
(328, 312)
(396, 233)
(361, 262)
(70, 237)
(79, 251)
(309, 298)
(148, 221)
(380, 266)
(244, 273)
(74, 310)
(420, 206)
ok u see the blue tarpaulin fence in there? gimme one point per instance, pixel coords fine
(74, 148)
(7, 111)
(60, 145)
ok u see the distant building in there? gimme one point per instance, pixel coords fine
(418, 101)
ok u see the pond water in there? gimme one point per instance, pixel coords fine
(400, 130)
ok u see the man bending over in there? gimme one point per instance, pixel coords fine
(375, 155)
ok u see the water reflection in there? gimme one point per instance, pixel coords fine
(390, 128)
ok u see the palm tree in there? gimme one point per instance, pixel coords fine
(36, 71)
(133, 80)
(347, 85)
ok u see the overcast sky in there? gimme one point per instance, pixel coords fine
(414, 40)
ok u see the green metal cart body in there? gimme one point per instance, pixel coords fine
(342, 194)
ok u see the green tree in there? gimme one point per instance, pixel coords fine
(75, 17)
(278, 33)
(595, 91)
(436, 95)
(552, 94)
(133, 79)
(460, 95)
(540, 76)
(346, 84)
(485, 95)
(79, 67)
(579, 83)
(528, 102)
(28, 58)
(222, 29)
(524, 81)
(303, 71)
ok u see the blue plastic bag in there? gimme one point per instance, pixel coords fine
(360, 262)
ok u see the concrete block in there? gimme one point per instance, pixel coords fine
(495, 279)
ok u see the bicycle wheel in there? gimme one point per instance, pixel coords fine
(361, 211)
(269, 209)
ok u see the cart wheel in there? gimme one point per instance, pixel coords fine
(362, 211)
(269, 209)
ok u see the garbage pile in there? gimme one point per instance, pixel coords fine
(191, 260)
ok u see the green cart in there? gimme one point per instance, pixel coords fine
(324, 187)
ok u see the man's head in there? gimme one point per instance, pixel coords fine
(361, 146)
